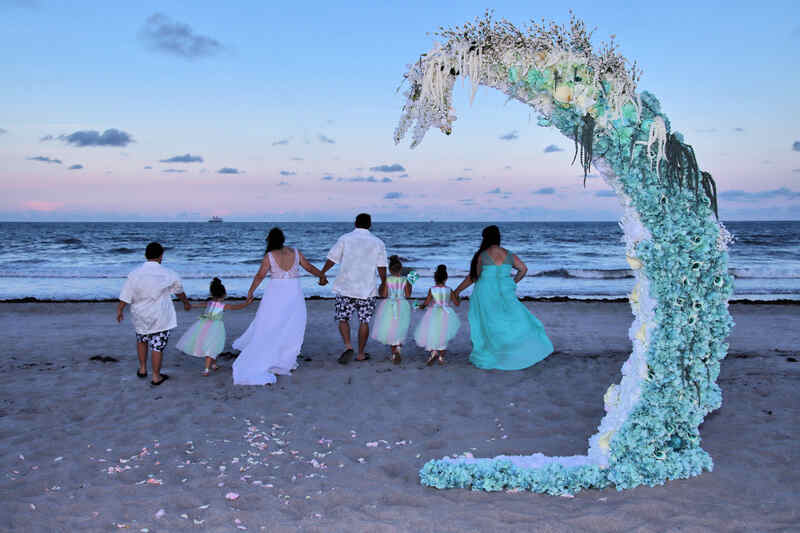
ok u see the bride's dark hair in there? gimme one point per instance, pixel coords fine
(491, 237)
(275, 239)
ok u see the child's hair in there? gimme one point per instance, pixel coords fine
(395, 265)
(440, 276)
(217, 289)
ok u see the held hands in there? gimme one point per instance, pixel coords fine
(187, 306)
(323, 280)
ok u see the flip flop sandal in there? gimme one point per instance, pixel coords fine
(345, 357)
(141, 376)
(366, 358)
(164, 378)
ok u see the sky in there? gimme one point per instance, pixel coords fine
(255, 110)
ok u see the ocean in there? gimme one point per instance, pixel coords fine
(89, 261)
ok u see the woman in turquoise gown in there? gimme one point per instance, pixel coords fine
(505, 335)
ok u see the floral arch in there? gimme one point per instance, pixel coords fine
(673, 242)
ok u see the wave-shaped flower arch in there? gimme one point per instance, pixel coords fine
(673, 242)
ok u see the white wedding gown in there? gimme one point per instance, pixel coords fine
(272, 342)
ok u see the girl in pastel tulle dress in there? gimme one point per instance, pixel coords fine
(394, 313)
(440, 322)
(206, 337)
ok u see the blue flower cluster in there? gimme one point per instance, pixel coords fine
(688, 275)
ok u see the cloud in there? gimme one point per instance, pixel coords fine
(796, 146)
(148, 167)
(388, 168)
(545, 190)
(510, 136)
(46, 138)
(323, 139)
(605, 194)
(42, 206)
(44, 159)
(2, 131)
(552, 148)
(297, 159)
(467, 170)
(403, 176)
(229, 170)
(174, 170)
(75, 167)
(361, 179)
(393, 195)
(165, 35)
(287, 173)
(796, 170)
(283, 184)
(744, 196)
(495, 191)
(185, 158)
(738, 129)
(461, 178)
(327, 178)
(282, 142)
(507, 167)
(110, 137)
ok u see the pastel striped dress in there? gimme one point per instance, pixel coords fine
(440, 322)
(393, 316)
(206, 337)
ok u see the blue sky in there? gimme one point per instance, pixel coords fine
(271, 100)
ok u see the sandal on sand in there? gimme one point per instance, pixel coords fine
(346, 356)
(396, 357)
(164, 378)
(441, 359)
(205, 372)
(432, 358)
(366, 358)
(140, 375)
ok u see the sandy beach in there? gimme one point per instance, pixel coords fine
(86, 446)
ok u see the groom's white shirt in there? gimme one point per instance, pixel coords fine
(358, 254)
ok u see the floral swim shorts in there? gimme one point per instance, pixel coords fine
(346, 306)
(156, 341)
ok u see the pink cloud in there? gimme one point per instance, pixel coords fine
(45, 207)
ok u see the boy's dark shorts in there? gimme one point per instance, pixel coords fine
(156, 341)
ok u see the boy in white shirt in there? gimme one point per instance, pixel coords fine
(148, 290)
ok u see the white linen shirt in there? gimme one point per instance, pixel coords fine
(358, 254)
(147, 290)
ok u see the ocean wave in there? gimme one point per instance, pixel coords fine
(764, 273)
(122, 250)
(70, 240)
(614, 273)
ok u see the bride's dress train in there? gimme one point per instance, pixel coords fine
(272, 342)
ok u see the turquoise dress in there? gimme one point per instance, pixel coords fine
(505, 335)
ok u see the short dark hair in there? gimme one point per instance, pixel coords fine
(153, 251)
(363, 221)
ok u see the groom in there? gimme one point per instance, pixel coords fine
(358, 254)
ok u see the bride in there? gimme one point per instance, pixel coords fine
(272, 342)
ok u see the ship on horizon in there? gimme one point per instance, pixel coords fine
(215, 219)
